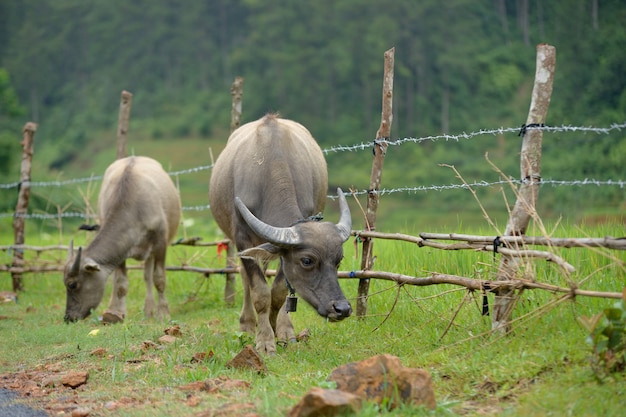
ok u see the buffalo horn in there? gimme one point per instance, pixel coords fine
(281, 236)
(70, 250)
(345, 219)
(76, 265)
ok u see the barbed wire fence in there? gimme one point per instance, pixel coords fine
(363, 146)
(498, 286)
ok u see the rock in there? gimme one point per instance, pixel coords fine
(174, 331)
(192, 401)
(100, 352)
(327, 403)
(112, 317)
(248, 358)
(230, 410)
(303, 336)
(202, 356)
(217, 385)
(81, 412)
(8, 297)
(384, 380)
(75, 379)
(147, 345)
(167, 339)
(52, 381)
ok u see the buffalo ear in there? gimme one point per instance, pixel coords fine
(91, 266)
(262, 253)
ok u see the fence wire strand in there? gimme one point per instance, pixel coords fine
(364, 146)
(360, 147)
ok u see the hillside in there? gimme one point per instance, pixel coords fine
(460, 69)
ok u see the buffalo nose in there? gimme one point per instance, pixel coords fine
(343, 309)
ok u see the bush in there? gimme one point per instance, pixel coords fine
(607, 338)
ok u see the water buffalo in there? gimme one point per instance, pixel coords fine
(265, 190)
(139, 212)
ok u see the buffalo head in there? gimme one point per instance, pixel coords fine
(84, 282)
(310, 253)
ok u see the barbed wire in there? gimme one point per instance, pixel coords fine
(362, 146)
(385, 191)
(493, 132)
(191, 170)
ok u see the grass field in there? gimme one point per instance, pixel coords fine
(541, 368)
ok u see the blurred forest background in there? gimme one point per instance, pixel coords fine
(460, 68)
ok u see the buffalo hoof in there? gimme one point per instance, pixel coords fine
(266, 348)
(284, 343)
(112, 317)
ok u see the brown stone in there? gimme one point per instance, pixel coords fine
(384, 380)
(100, 352)
(231, 410)
(81, 412)
(248, 358)
(167, 339)
(303, 336)
(8, 297)
(217, 385)
(51, 381)
(112, 317)
(148, 345)
(174, 331)
(320, 402)
(75, 379)
(202, 356)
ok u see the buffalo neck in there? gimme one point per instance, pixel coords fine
(112, 244)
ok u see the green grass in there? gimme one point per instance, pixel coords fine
(541, 368)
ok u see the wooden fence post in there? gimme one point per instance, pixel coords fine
(123, 122)
(530, 167)
(380, 149)
(21, 208)
(236, 92)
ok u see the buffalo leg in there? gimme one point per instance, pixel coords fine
(148, 276)
(163, 311)
(247, 318)
(116, 311)
(260, 296)
(154, 275)
(279, 318)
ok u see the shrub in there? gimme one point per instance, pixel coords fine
(607, 338)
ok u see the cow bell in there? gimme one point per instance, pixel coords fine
(291, 303)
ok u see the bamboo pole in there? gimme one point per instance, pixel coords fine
(380, 149)
(530, 168)
(28, 134)
(564, 242)
(123, 121)
(435, 278)
(236, 92)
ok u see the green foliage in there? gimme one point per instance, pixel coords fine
(10, 112)
(607, 338)
(9, 105)
(459, 68)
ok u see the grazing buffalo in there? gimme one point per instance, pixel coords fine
(265, 190)
(139, 212)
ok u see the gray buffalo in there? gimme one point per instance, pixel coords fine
(139, 212)
(265, 190)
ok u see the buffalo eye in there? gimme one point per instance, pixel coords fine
(72, 285)
(307, 262)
